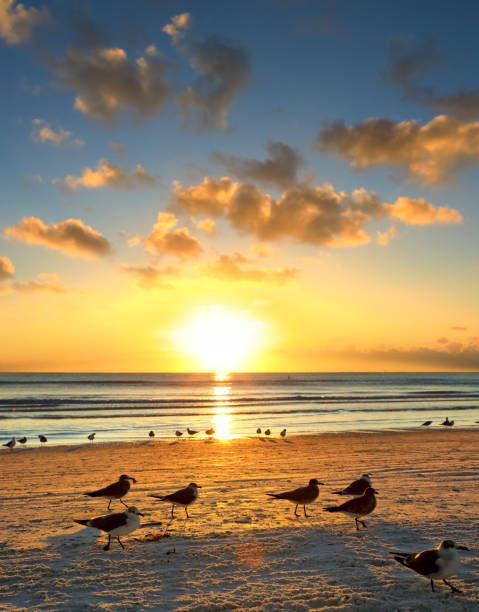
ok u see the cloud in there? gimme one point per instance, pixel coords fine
(47, 283)
(408, 62)
(224, 72)
(178, 243)
(72, 237)
(383, 238)
(280, 169)
(108, 84)
(17, 22)
(149, 277)
(261, 250)
(43, 132)
(431, 154)
(119, 149)
(238, 267)
(7, 269)
(305, 214)
(106, 175)
(206, 225)
(458, 328)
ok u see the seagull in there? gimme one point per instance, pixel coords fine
(152, 434)
(258, 431)
(283, 433)
(178, 434)
(210, 431)
(118, 524)
(91, 437)
(22, 440)
(447, 422)
(426, 423)
(184, 497)
(357, 487)
(435, 563)
(301, 496)
(117, 490)
(358, 506)
(42, 439)
(267, 432)
(10, 444)
(192, 432)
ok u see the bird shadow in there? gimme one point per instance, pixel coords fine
(174, 442)
(272, 441)
(288, 442)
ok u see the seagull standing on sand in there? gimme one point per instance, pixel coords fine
(22, 440)
(258, 431)
(447, 422)
(357, 487)
(152, 434)
(91, 437)
(301, 496)
(42, 439)
(192, 432)
(10, 444)
(184, 497)
(210, 431)
(426, 423)
(435, 563)
(359, 506)
(178, 434)
(117, 490)
(116, 525)
(267, 432)
(283, 433)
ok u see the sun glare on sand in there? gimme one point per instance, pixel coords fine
(220, 340)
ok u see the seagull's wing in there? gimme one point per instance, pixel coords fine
(295, 495)
(183, 496)
(108, 522)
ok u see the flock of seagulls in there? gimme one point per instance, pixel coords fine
(446, 423)
(435, 564)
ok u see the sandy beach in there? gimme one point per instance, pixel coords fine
(240, 549)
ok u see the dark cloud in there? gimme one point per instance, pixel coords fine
(71, 237)
(432, 154)
(280, 169)
(17, 21)
(7, 269)
(224, 72)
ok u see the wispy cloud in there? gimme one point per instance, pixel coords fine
(149, 277)
(432, 154)
(71, 237)
(280, 169)
(17, 22)
(107, 174)
(43, 132)
(224, 72)
(46, 283)
(239, 267)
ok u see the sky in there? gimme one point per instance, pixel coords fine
(269, 185)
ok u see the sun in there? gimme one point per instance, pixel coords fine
(219, 339)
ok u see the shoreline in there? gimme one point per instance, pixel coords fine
(240, 549)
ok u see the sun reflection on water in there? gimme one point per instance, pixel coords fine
(223, 409)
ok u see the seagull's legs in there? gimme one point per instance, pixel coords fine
(295, 510)
(109, 503)
(126, 505)
(119, 542)
(363, 524)
(356, 521)
(107, 547)
(172, 513)
(304, 510)
(432, 585)
(186, 510)
(453, 588)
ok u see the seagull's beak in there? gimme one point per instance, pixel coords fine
(320, 483)
(462, 547)
(375, 491)
(199, 487)
(141, 514)
(131, 478)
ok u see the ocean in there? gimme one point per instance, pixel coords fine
(67, 407)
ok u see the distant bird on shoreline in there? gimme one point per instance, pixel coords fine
(178, 434)
(22, 440)
(267, 432)
(191, 432)
(356, 507)
(258, 431)
(210, 431)
(152, 434)
(447, 422)
(356, 488)
(91, 437)
(435, 563)
(10, 444)
(283, 433)
(43, 439)
(117, 490)
(300, 497)
(118, 524)
(184, 497)
(426, 423)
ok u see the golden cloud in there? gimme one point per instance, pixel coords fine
(43, 132)
(106, 174)
(17, 22)
(178, 243)
(47, 283)
(149, 277)
(72, 237)
(432, 154)
(7, 269)
(416, 211)
(239, 267)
